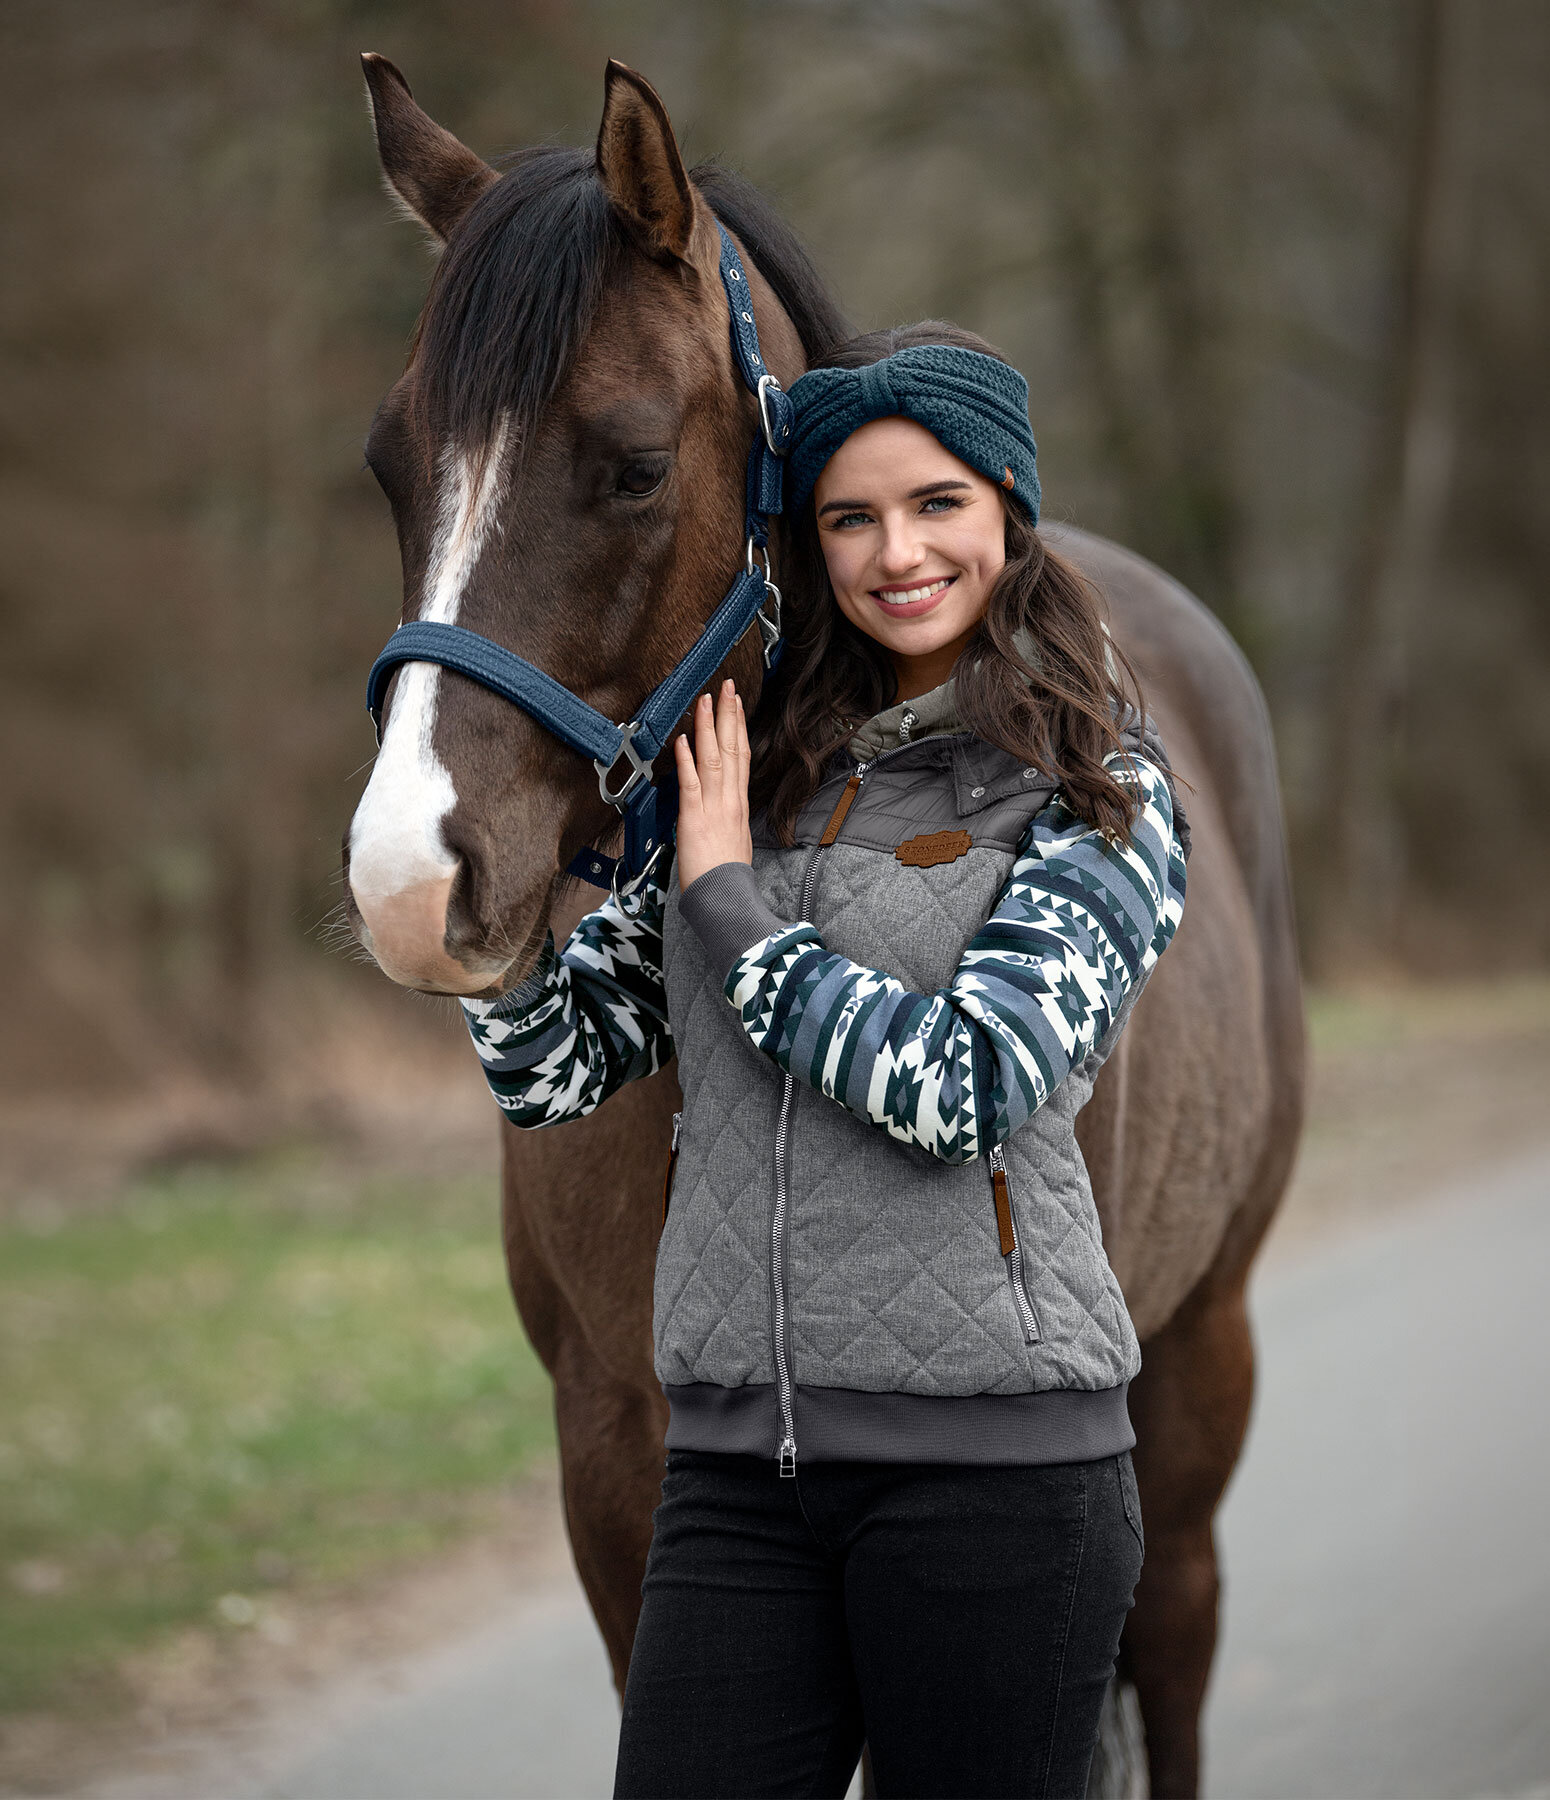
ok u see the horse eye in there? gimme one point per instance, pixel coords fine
(641, 478)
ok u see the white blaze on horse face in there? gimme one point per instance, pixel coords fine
(395, 837)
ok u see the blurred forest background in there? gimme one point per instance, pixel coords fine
(1278, 272)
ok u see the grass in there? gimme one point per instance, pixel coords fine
(1394, 1016)
(242, 1380)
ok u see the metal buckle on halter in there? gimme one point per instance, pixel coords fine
(640, 768)
(766, 383)
(632, 895)
(768, 623)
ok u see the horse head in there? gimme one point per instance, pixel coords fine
(565, 459)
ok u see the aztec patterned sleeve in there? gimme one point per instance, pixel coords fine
(1078, 924)
(583, 1023)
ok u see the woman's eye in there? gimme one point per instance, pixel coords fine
(641, 478)
(941, 503)
(845, 520)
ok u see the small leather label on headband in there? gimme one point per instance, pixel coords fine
(933, 847)
(1007, 479)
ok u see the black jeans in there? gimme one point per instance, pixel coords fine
(962, 1620)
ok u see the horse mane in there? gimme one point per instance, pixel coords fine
(521, 280)
(779, 255)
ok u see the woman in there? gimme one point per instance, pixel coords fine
(899, 1504)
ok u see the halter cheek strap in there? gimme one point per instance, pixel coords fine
(647, 803)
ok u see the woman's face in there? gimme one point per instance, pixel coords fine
(914, 540)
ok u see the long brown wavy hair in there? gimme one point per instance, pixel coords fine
(1057, 713)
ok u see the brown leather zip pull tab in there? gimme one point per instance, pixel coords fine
(837, 818)
(1003, 1196)
(672, 1164)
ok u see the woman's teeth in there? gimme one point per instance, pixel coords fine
(920, 593)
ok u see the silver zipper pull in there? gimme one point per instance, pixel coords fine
(788, 1457)
(997, 1158)
(678, 1125)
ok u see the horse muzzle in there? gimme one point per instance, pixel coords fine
(407, 933)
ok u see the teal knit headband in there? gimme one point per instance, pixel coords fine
(972, 404)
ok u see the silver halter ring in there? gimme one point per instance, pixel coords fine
(632, 894)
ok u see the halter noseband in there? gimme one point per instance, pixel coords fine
(649, 808)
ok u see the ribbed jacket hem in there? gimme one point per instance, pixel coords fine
(845, 1425)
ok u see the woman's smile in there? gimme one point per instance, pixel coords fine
(908, 602)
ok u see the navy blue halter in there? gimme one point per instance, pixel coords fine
(649, 806)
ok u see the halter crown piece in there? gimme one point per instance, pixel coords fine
(649, 806)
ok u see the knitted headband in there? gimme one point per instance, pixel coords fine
(972, 404)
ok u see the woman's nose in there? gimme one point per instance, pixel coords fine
(901, 548)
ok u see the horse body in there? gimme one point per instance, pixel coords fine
(1193, 1123)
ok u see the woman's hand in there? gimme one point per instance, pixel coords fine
(713, 788)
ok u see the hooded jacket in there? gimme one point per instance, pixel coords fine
(879, 1240)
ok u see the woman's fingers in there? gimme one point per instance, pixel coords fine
(707, 752)
(714, 769)
(726, 719)
(688, 775)
(713, 786)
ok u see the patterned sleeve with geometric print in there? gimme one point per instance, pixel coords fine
(1079, 922)
(583, 1023)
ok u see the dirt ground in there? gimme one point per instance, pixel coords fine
(1409, 1093)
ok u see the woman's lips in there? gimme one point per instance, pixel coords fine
(901, 602)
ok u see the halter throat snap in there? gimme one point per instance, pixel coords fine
(648, 804)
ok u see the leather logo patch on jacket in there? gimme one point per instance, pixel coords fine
(933, 847)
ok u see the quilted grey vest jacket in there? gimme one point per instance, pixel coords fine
(824, 1289)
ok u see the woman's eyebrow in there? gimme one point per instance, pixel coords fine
(920, 493)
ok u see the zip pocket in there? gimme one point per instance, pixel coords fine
(1011, 1249)
(672, 1163)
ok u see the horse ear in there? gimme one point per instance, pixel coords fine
(431, 175)
(639, 165)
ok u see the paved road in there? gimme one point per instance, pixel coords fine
(1388, 1615)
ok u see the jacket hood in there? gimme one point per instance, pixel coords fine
(927, 715)
(936, 711)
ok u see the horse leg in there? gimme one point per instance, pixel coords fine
(610, 1413)
(611, 1474)
(1190, 1408)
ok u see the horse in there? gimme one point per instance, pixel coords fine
(564, 457)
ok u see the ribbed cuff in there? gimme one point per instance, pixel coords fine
(728, 914)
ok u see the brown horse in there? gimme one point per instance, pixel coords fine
(564, 456)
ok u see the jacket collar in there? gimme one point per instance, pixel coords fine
(927, 715)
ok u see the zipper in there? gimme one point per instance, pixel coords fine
(1011, 1247)
(787, 1454)
(672, 1163)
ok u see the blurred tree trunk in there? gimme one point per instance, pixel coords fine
(265, 528)
(1144, 274)
(1400, 531)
